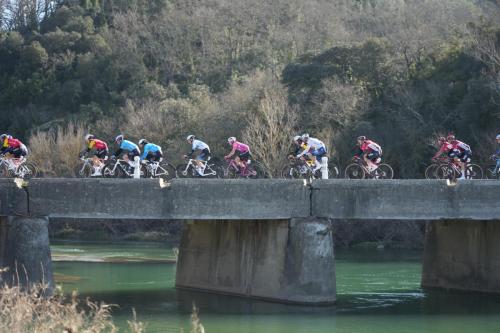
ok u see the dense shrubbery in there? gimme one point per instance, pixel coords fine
(398, 71)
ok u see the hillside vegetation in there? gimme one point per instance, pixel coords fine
(398, 71)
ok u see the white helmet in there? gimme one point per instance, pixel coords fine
(305, 136)
(297, 138)
(189, 137)
(89, 136)
(119, 138)
(231, 140)
(498, 137)
(143, 142)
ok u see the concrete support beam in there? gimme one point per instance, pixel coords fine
(25, 251)
(289, 261)
(462, 255)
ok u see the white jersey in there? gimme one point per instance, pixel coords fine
(199, 145)
(312, 144)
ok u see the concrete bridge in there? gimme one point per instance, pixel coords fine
(268, 239)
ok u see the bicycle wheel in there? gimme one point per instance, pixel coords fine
(213, 171)
(254, 171)
(490, 174)
(4, 171)
(165, 171)
(430, 171)
(473, 171)
(333, 170)
(291, 172)
(82, 170)
(354, 171)
(384, 171)
(109, 171)
(183, 171)
(26, 171)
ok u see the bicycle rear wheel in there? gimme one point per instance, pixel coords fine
(354, 171)
(446, 171)
(213, 171)
(165, 171)
(183, 171)
(82, 170)
(333, 170)
(109, 171)
(430, 171)
(384, 171)
(473, 171)
(290, 172)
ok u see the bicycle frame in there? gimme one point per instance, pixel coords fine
(192, 164)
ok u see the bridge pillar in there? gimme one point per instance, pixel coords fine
(25, 251)
(287, 261)
(462, 255)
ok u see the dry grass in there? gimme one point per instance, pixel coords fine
(56, 152)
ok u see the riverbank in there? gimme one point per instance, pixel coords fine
(347, 233)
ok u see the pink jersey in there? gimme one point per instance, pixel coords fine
(241, 147)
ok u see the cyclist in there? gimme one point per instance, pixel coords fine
(198, 145)
(371, 152)
(240, 151)
(496, 156)
(101, 151)
(151, 152)
(444, 148)
(11, 147)
(314, 149)
(461, 153)
(131, 148)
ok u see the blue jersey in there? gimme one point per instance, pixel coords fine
(150, 148)
(129, 146)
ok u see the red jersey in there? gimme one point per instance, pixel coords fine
(11, 143)
(369, 146)
(97, 144)
(460, 145)
(445, 148)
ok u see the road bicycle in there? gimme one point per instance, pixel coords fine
(490, 170)
(358, 170)
(451, 170)
(17, 167)
(188, 170)
(85, 168)
(300, 169)
(118, 168)
(160, 169)
(252, 170)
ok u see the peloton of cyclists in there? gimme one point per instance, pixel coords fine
(204, 153)
(100, 153)
(370, 151)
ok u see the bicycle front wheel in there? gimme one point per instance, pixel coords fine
(354, 171)
(446, 171)
(490, 172)
(185, 171)
(26, 171)
(333, 170)
(384, 171)
(473, 171)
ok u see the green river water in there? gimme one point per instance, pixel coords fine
(377, 290)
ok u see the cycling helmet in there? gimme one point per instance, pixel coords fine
(450, 137)
(498, 137)
(119, 138)
(143, 142)
(297, 138)
(441, 139)
(189, 137)
(361, 138)
(231, 140)
(4, 136)
(89, 137)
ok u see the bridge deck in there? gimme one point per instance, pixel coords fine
(251, 199)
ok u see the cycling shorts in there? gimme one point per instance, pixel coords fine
(204, 155)
(463, 156)
(132, 154)
(243, 156)
(18, 152)
(101, 153)
(373, 156)
(154, 156)
(319, 153)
